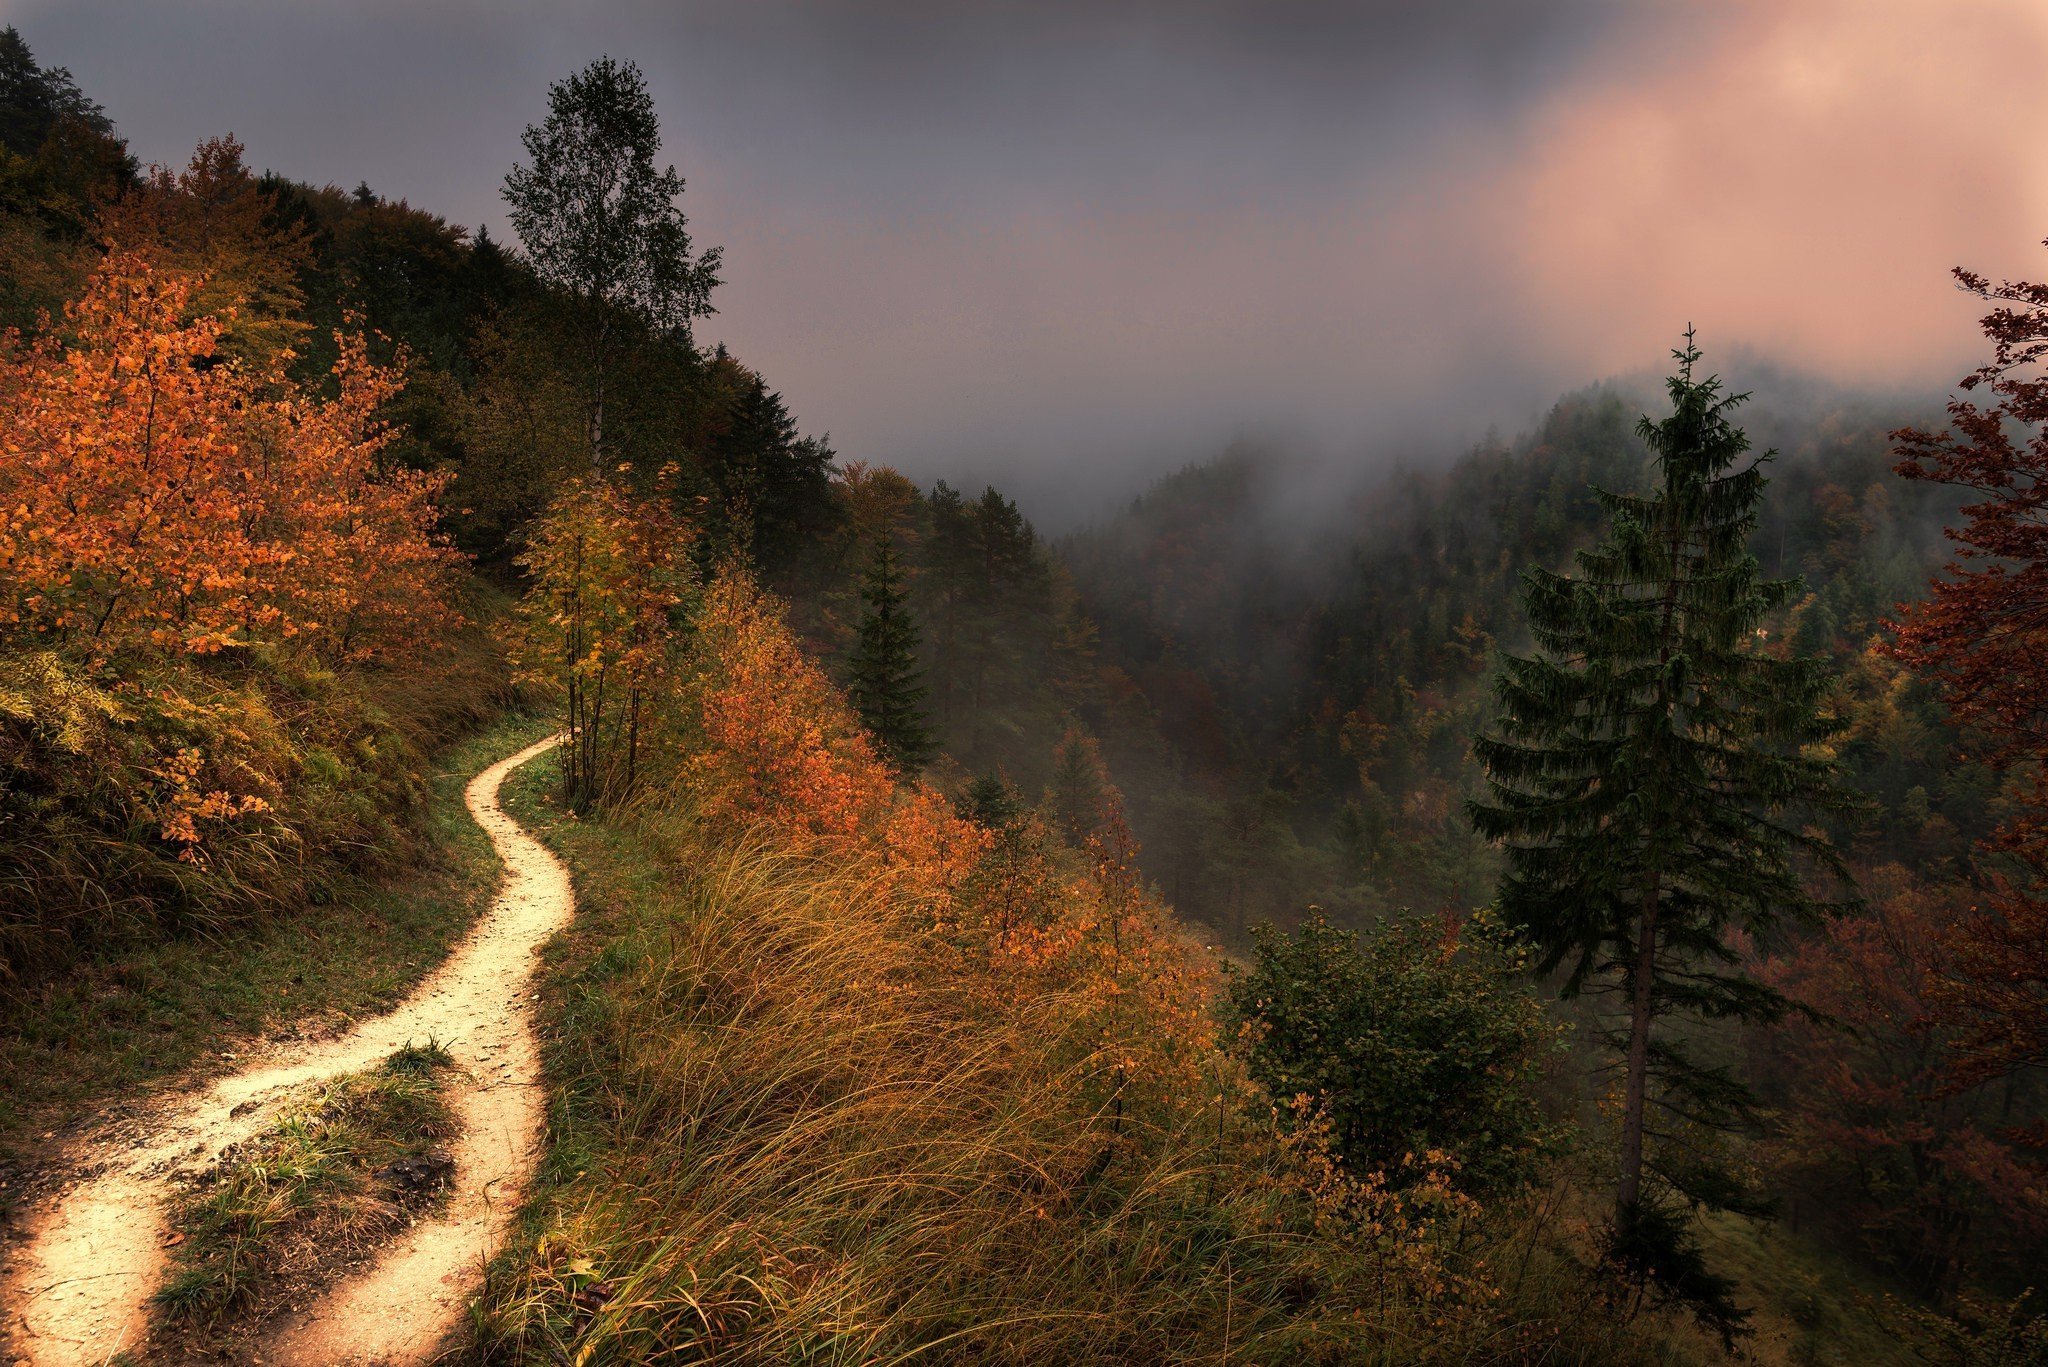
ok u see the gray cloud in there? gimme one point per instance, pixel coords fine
(1069, 243)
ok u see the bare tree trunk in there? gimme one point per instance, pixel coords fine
(600, 341)
(1635, 1086)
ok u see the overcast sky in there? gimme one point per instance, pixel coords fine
(1069, 244)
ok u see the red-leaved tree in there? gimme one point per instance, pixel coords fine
(1982, 635)
(1880, 1145)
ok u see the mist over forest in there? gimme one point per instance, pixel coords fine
(1030, 684)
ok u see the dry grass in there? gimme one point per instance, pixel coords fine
(798, 1123)
(841, 1078)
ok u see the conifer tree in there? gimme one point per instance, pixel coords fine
(884, 679)
(770, 486)
(1080, 795)
(991, 801)
(1648, 770)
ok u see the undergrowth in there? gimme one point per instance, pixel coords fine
(201, 797)
(345, 1163)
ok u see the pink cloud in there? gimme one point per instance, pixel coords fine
(1803, 185)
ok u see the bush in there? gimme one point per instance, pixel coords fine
(1410, 1041)
(190, 798)
(225, 626)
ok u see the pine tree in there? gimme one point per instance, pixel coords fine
(884, 679)
(991, 801)
(1645, 782)
(990, 595)
(771, 486)
(1080, 795)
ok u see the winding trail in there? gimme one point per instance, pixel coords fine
(77, 1290)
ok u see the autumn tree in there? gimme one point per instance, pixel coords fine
(600, 221)
(884, 680)
(610, 574)
(1982, 635)
(1876, 1144)
(879, 501)
(218, 223)
(1646, 772)
(158, 497)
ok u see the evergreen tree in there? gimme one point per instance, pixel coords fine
(1645, 777)
(34, 99)
(770, 486)
(987, 587)
(991, 801)
(885, 682)
(1080, 795)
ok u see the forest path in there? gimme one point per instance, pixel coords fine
(77, 1291)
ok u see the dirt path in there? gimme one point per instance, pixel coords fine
(77, 1291)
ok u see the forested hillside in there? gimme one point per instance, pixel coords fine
(1582, 902)
(1321, 678)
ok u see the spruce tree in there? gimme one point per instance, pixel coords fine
(1080, 794)
(883, 678)
(1647, 775)
(991, 801)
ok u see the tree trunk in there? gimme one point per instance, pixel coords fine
(1635, 1085)
(599, 353)
(597, 426)
(1642, 983)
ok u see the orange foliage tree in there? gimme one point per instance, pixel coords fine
(770, 738)
(763, 739)
(1982, 635)
(158, 497)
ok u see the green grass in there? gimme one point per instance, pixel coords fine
(148, 1013)
(310, 1184)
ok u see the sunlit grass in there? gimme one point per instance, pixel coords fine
(345, 1162)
